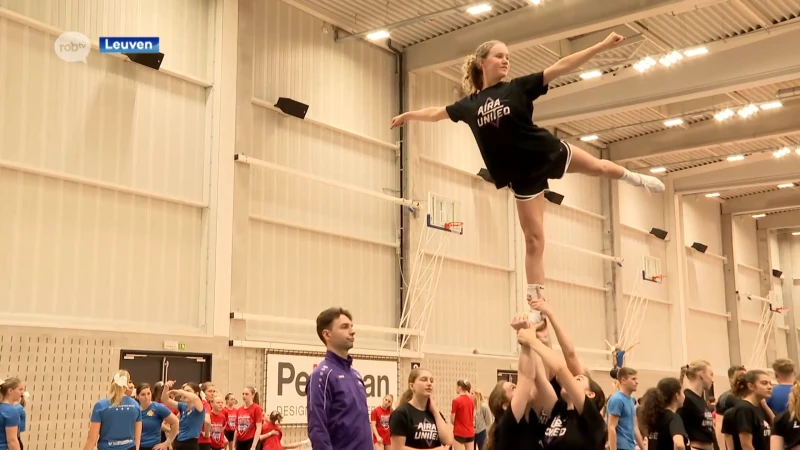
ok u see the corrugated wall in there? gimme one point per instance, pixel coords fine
(751, 305)
(311, 245)
(706, 315)
(484, 267)
(639, 213)
(103, 170)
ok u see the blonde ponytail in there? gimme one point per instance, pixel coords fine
(116, 390)
(472, 76)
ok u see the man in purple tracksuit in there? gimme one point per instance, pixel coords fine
(338, 417)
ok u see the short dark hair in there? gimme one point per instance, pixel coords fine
(325, 320)
(733, 369)
(625, 372)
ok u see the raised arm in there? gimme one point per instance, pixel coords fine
(165, 398)
(567, 348)
(430, 114)
(558, 366)
(574, 61)
(520, 402)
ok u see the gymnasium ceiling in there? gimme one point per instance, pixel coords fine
(751, 59)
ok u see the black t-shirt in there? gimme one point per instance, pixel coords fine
(418, 427)
(668, 425)
(568, 430)
(697, 418)
(726, 401)
(523, 435)
(788, 429)
(748, 418)
(501, 119)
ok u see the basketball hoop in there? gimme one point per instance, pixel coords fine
(455, 227)
(657, 278)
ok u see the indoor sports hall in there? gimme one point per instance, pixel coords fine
(186, 213)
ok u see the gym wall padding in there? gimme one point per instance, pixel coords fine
(293, 270)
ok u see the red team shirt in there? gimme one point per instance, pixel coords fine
(230, 423)
(202, 439)
(273, 442)
(218, 422)
(464, 409)
(381, 418)
(246, 420)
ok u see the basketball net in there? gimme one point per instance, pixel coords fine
(766, 326)
(421, 285)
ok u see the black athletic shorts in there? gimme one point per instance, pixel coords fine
(464, 440)
(229, 435)
(531, 187)
(190, 444)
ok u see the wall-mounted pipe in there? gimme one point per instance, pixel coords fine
(401, 155)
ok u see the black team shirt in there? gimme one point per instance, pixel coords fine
(501, 120)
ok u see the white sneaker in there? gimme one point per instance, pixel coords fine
(652, 184)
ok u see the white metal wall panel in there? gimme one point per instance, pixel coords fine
(476, 284)
(184, 27)
(103, 177)
(639, 212)
(293, 270)
(706, 322)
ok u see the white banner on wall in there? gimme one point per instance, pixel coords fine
(287, 377)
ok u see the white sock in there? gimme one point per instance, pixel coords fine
(632, 178)
(535, 291)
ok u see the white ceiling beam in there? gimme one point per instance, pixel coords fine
(762, 125)
(789, 219)
(681, 108)
(718, 72)
(788, 198)
(534, 25)
(766, 173)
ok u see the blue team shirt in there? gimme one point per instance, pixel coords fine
(23, 418)
(779, 400)
(191, 424)
(116, 423)
(9, 417)
(622, 406)
(620, 358)
(152, 418)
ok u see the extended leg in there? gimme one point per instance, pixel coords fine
(531, 219)
(587, 164)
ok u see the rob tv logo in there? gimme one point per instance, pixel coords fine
(73, 46)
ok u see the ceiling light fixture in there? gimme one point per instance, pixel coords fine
(644, 64)
(658, 170)
(479, 9)
(712, 195)
(748, 111)
(782, 152)
(591, 74)
(758, 216)
(796, 233)
(377, 35)
(593, 137)
(670, 59)
(735, 158)
(673, 122)
(724, 115)
(695, 52)
(785, 185)
(771, 105)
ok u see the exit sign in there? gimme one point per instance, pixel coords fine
(174, 345)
